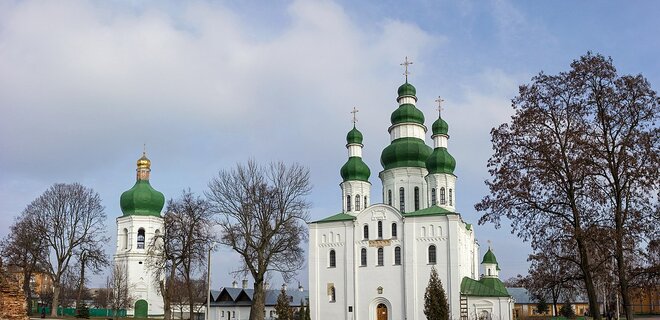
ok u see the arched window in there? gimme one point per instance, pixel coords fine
(380, 229)
(363, 257)
(402, 200)
(348, 203)
(333, 259)
(397, 256)
(366, 204)
(433, 197)
(125, 239)
(442, 196)
(450, 198)
(357, 202)
(333, 296)
(488, 271)
(380, 256)
(432, 254)
(431, 231)
(393, 229)
(325, 239)
(416, 198)
(389, 197)
(365, 232)
(140, 239)
(338, 238)
(423, 231)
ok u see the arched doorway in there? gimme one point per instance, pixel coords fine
(141, 309)
(381, 312)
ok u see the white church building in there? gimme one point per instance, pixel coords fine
(373, 261)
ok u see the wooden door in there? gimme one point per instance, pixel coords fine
(381, 312)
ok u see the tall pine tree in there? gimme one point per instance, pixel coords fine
(435, 300)
(282, 308)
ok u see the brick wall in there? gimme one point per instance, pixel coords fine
(12, 300)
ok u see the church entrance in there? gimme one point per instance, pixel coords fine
(381, 312)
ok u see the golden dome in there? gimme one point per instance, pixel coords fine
(144, 162)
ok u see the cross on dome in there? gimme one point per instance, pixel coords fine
(405, 64)
(354, 112)
(439, 101)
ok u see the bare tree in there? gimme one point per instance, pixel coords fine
(263, 211)
(181, 249)
(120, 289)
(580, 160)
(68, 217)
(22, 249)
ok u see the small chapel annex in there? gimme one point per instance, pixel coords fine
(372, 261)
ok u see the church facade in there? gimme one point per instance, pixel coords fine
(372, 261)
(140, 223)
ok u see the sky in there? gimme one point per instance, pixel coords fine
(209, 84)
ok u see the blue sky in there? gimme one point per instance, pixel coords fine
(84, 84)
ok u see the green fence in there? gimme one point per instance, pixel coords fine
(92, 312)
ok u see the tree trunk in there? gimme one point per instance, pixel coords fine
(191, 300)
(258, 301)
(623, 277)
(585, 265)
(27, 291)
(56, 298)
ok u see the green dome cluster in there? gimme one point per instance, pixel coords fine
(407, 90)
(405, 152)
(407, 113)
(354, 136)
(440, 161)
(440, 126)
(355, 169)
(142, 200)
(489, 257)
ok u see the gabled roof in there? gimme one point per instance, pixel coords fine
(338, 217)
(430, 211)
(243, 297)
(486, 287)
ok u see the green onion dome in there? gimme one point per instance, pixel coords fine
(407, 90)
(354, 136)
(142, 200)
(405, 152)
(440, 161)
(489, 257)
(440, 127)
(355, 169)
(407, 113)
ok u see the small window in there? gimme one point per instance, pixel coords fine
(365, 232)
(450, 198)
(357, 202)
(333, 259)
(402, 200)
(393, 229)
(365, 202)
(333, 296)
(432, 254)
(140, 239)
(380, 256)
(233, 314)
(397, 256)
(380, 229)
(222, 313)
(348, 203)
(442, 196)
(433, 197)
(389, 197)
(363, 257)
(125, 239)
(416, 198)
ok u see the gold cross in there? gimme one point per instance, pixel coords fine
(354, 112)
(405, 64)
(439, 101)
(144, 149)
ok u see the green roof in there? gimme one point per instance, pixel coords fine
(489, 257)
(486, 287)
(440, 161)
(405, 152)
(142, 200)
(430, 211)
(407, 90)
(355, 169)
(338, 217)
(440, 127)
(407, 113)
(354, 136)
